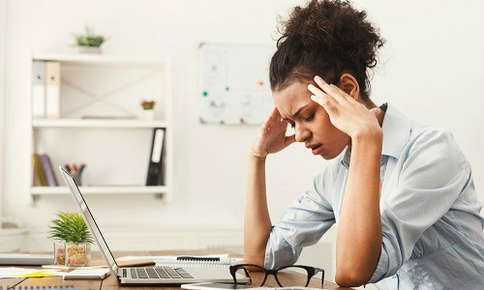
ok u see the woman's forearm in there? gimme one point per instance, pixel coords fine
(359, 233)
(257, 224)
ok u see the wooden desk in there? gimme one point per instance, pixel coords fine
(111, 283)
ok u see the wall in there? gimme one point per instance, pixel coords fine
(3, 13)
(431, 69)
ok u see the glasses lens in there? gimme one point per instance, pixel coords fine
(287, 278)
(241, 276)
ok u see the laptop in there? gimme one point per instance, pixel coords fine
(157, 274)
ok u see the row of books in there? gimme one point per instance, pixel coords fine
(43, 174)
(46, 79)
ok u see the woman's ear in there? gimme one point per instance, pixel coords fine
(349, 85)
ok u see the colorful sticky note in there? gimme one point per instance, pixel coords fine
(205, 93)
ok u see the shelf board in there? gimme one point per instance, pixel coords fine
(99, 190)
(78, 58)
(96, 123)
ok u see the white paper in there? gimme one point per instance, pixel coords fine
(86, 274)
(16, 272)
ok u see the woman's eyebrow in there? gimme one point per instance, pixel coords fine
(296, 113)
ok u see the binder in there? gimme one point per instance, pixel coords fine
(52, 98)
(38, 89)
(156, 168)
(38, 174)
(48, 170)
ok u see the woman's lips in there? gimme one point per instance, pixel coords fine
(317, 150)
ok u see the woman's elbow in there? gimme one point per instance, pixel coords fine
(351, 278)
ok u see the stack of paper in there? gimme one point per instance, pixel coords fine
(15, 272)
(87, 274)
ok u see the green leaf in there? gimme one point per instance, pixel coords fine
(70, 227)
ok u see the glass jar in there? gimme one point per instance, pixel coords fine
(59, 252)
(77, 254)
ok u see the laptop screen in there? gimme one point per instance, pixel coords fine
(98, 236)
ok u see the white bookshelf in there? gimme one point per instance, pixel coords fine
(99, 190)
(82, 123)
(89, 59)
(73, 138)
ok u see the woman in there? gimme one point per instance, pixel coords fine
(402, 194)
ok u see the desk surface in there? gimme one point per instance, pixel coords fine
(111, 283)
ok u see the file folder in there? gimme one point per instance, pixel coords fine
(156, 174)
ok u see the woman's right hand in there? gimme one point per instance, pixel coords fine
(273, 136)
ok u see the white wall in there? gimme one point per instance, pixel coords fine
(432, 69)
(3, 13)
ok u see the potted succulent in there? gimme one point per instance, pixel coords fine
(148, 112)
(89, 42)
(71, 239)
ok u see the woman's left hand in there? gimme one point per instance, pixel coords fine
(345, 113)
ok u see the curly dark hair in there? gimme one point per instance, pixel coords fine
(327, 38)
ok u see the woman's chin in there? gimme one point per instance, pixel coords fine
(328, 155)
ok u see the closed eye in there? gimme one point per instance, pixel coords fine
(309, 118)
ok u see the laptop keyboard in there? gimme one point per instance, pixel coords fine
(158, 272)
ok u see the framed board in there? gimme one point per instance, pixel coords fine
(235, 85)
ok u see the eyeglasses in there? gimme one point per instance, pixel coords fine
(283, 278)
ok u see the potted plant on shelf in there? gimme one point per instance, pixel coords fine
(71, 239)
(89, 42)
(148, 112)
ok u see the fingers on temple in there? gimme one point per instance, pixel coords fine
(324, 101)
(290, 139)
(330, 89)
(276, 112)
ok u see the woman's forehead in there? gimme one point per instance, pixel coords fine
(291, 98)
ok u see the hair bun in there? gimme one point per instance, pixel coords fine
(336, 28)
(325, 37)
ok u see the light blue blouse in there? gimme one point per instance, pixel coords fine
(432, 229)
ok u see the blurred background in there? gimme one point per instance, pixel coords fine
(431, 68)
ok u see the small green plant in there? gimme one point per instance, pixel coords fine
(70, 227)
(89, 39)
(148, 105)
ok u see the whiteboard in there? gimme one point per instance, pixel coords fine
(235, 85)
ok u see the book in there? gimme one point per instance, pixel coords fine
(156, 174)
(48, 170)
(52, 97)
(38, 175)
(38, 89)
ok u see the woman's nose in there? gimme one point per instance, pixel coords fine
(302, 134)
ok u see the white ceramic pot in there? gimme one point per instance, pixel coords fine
(90, 49)
(147, 115)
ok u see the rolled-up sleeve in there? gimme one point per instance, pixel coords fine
(302, 225)
(432, 177)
